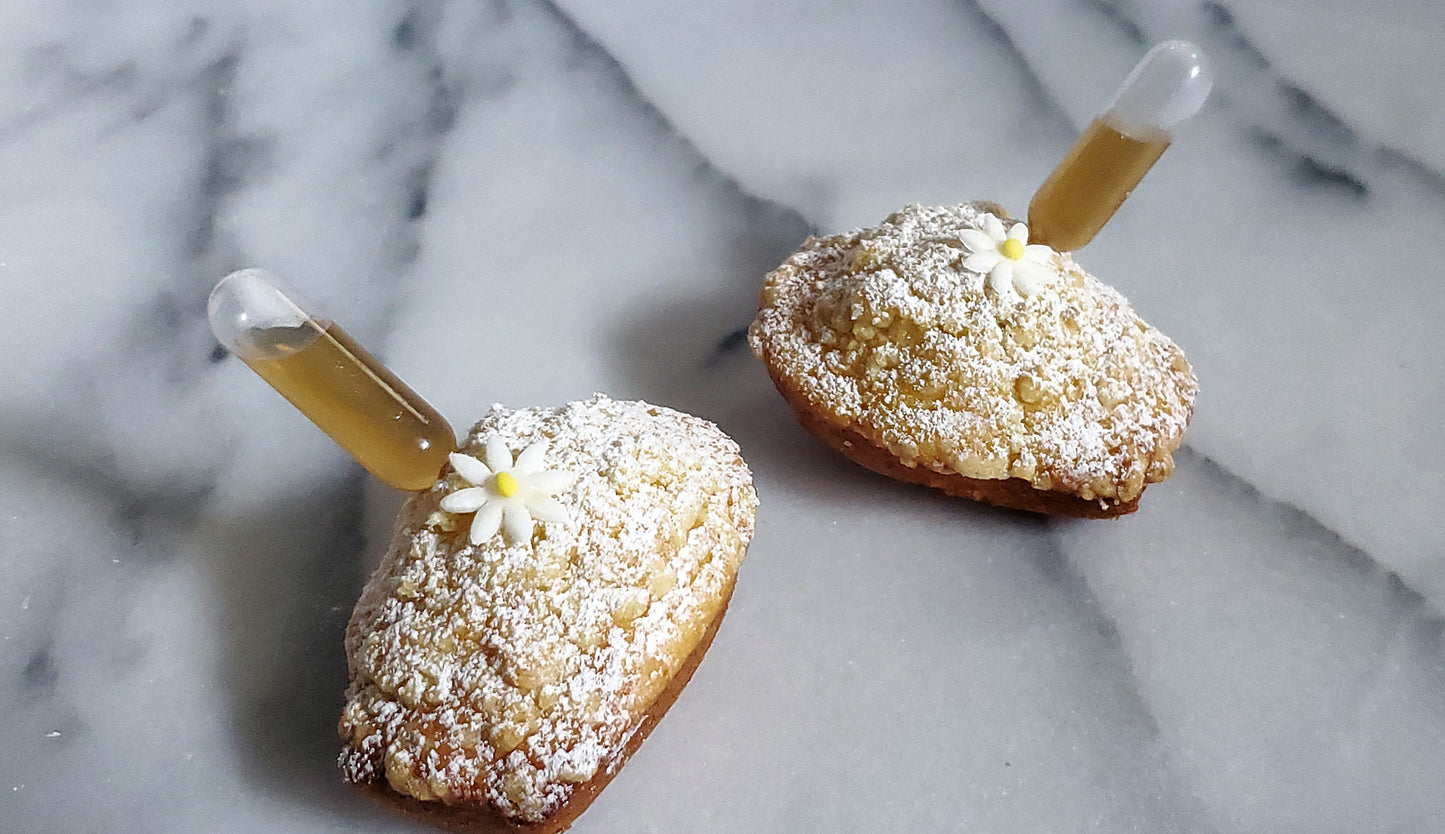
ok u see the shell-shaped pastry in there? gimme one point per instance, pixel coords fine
(509, 679)
(940, 348)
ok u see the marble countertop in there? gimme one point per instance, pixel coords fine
(525, 201)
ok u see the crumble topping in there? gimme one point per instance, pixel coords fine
(513, 671)
(890, 331)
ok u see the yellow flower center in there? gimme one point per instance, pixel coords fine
(1011, 249)
(506, 484)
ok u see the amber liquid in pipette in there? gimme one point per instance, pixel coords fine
(1090, 184)
(356, 400)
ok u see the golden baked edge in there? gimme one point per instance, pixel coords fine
(472, 819)
(1011, 493)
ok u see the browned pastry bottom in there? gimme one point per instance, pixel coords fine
(472, 819)
(1015, 493)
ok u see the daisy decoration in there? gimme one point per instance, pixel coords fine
(506, 494)
(1007, 258)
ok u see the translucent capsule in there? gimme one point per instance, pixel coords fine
(1168, 86)
(331, 379)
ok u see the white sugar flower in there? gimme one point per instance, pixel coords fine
(1008, 258)
(507, 494)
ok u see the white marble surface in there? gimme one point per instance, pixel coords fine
(527, 201)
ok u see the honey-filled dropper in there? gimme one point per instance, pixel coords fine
(343, 389)
(1166, 87)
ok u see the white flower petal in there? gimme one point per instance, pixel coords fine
(993, 227)
(499, 457)
(1030, 277)
(517, 521)
(531, 458)
(547, 509)
(487, 522)
(551, 481)
(1001, 277)
(1019, 232)
(1039, 253)
(467, 500)
(981, 261)
(977, 241)
(473, 470)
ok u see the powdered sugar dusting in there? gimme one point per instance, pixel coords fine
(885, 332)
(510, 673)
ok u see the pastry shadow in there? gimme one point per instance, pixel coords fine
(288, 574)
(688, 349)
(691, 354)
(284, 576)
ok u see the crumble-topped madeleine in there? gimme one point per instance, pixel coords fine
(540, 607)
(940, 348)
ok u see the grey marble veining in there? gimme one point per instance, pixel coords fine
(525, 201)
